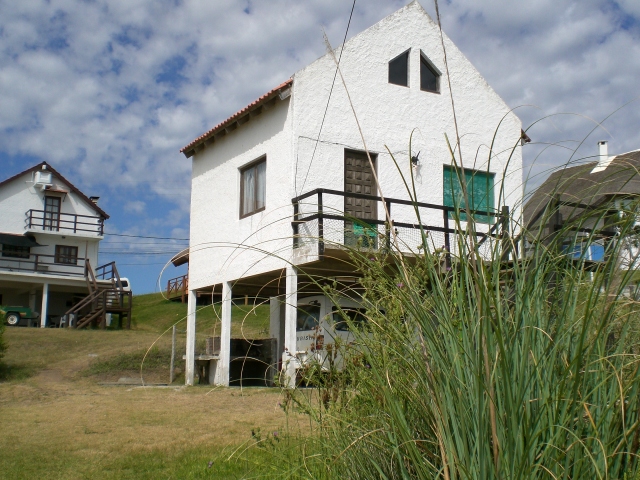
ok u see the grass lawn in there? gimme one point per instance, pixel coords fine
(59, 421)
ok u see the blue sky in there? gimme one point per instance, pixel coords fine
(109, 91)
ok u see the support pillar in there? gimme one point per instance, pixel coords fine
(44, 310)
(289, 361)
(222, 368)
(191, 338)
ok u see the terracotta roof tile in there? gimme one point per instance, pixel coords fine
(188, 150)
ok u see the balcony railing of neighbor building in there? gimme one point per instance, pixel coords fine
(177, 288)
(46, 264)
(64, 222)
(322, 222)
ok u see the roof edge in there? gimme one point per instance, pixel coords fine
(61, 177)
(190, 149)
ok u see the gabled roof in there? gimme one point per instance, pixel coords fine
(59, 176)
(189, 150)
(579, 185)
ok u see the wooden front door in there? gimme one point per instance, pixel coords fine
(51, 213)
(359, 178)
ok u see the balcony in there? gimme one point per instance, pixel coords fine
(64, 222)
(45, 264)
(319, 220)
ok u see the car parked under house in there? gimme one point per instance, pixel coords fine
(50, 234)
(281, 187)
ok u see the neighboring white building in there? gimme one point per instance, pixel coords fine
(302, 136)
(49, 235)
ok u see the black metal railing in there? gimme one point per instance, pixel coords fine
(66, 222)
(374, 228)
(45, 264)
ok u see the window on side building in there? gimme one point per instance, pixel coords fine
(66, 255)
(253, 180)
(479, 188)
(13, 251)
(399, 70)
(429, 75)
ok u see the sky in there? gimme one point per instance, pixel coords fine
(108, 92)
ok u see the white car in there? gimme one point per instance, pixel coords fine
(321, 324)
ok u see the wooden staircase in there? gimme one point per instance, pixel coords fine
(103, 298)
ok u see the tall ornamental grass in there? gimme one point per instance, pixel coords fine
(503, 365)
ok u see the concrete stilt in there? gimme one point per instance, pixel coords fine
(290, 318)
(222, 368)
(44, 310)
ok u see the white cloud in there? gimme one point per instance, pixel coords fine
(134, 206)
(78, 80)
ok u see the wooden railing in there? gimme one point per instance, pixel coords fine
(374, 228)
(177, 287)
(108, 271)
(66, 222)
(103, 299)
(41, 263)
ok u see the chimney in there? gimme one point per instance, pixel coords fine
(602, 147)
(94, 199)
(603, 157)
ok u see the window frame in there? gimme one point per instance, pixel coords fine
(429, 64)
(488, 219)
(66, 258)
(14, 251)
(245, 168)
(408, 55)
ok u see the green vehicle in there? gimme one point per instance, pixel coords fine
(14, 315)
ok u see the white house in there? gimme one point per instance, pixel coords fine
(298, 151)
(49, 234)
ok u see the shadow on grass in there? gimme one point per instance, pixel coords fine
(15, 372)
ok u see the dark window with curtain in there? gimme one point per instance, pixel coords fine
(399, 70)
(429, 76)
(13, 251)
(479, 189)
(253, 180)
(66, 255)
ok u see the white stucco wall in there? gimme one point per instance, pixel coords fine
(224, 246)
(21, 195)
(388, 115)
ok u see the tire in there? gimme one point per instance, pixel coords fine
(12, 318)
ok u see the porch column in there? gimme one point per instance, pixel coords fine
(45, 305)
(191, 338)
(222, 368)
(290, 316)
